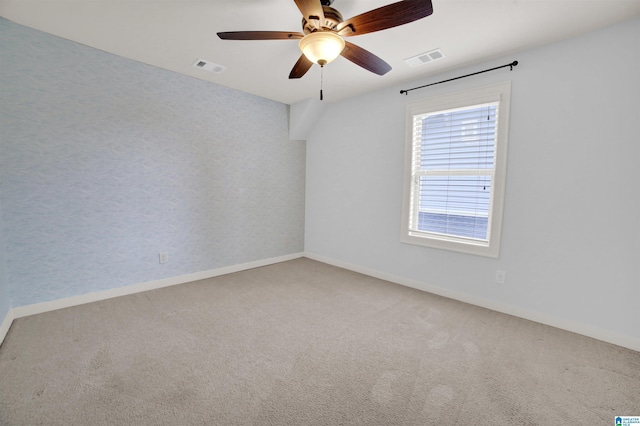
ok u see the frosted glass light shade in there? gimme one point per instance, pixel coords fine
(321, 47)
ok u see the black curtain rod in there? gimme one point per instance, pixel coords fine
(512, 64)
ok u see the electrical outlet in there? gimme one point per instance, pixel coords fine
(163, 257)
(501, 276)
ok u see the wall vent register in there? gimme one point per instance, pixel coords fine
(425, 58)
(208, 66)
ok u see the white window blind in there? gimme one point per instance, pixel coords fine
(453, 171)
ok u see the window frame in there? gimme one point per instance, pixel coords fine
(468, 98)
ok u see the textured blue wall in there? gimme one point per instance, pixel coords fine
(5, 302)
(104, 162)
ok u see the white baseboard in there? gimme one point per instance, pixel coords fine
(38, 308)
(542, 318)
(539, 317)
(6, 324)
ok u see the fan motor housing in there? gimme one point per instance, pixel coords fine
(331, 20)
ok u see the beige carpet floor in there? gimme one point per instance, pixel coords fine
(305, 343)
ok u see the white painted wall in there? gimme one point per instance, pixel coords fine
(571, 231)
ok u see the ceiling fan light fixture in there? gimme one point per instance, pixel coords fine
(322, 47)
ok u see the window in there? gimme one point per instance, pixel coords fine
(455, 167)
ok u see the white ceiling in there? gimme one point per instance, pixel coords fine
(172, 34)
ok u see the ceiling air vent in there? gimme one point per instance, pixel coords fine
(208, 66)
(425, 58)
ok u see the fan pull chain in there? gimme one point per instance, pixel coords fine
(321, 75)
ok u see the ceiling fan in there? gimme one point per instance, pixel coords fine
(324, 28)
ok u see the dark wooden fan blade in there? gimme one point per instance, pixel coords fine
(310, 9)
(259, 35)
(365, 59)
(301, 67)
(384, 17)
